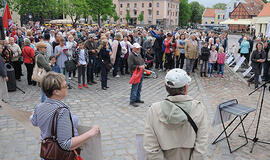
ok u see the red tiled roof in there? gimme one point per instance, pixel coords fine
(257, 2)
(253, 9)
(209, 12)
(265, 11)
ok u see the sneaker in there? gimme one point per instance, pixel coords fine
(217, 75)
(222, 76)
(69, 86)
(160, 70)
(134, 104)
(69, 78)
(80, 86)
(85, 85)
(94, 82)
(209, 75)
(117, 76)
(139, 101)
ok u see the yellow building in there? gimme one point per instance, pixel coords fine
(213, 16)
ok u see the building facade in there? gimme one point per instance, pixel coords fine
(213, 16)
(155, 12)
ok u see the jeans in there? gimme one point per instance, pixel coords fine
(81, 74)
(90, 69)
(189, 65)
(182, 60)
(135, 94)
(43, 96)
(63, 70)
(210, 68)
(204, 66)
(116, 66)
(159, 62)
(266, 68)
(220, 69)
(104, 76)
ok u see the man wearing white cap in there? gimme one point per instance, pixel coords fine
(176, 128)
(135, 60)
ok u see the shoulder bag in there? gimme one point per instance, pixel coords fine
(51, 150)
(38, 73)
(70, 65)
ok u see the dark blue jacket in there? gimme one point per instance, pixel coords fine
(56, 68)
(3, 70)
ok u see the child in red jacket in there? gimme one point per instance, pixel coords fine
(220, 61)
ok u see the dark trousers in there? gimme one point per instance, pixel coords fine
(246, 56)
(104, 76)
(169, 61)
(74, 73)
(159, 56)
(204, 66)
(266, 68)
(29, 68)
(91, 69)
(18, 69)
(116, 66)
(180, 60)
(81, 73)
(123, 65)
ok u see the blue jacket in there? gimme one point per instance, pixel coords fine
(3, 70)
(245, 47)
(56, 68)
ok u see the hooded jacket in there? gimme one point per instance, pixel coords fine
(169, 136)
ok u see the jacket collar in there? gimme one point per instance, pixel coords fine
(180, 98)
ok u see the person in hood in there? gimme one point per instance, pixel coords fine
(168, 135)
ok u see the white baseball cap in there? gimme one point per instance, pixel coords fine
(177, 78)
(136, 45)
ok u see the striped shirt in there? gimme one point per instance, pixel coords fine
(43, 116)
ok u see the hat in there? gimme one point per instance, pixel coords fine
(136, 45)
(177, 78)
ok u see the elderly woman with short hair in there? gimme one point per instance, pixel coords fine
(15, 61)
(55, 88)
(116, 53)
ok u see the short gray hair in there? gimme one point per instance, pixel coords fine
(27, 42)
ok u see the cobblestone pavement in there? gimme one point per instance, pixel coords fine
(120, 122)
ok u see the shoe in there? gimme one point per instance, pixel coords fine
(94, 82)
(160, 70)
(34, 84)
(201, 74)
(139, 101)
(80, 86)
(209, 75)
(69, 86)
(104, 88)
(127, 73)
(19, 80)
(90, 83)
(69, 78)
(107, 87)
(122, 73)
(133, 104)
(85, 85)
(222, 76)
(217, 75)
(117, 76)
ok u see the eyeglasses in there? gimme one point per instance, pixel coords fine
(65, 86)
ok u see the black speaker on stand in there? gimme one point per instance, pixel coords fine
(2, 31)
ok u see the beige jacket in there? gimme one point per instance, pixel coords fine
(191, 51)
(169, 136)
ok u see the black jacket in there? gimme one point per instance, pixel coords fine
(205, 53)
(104, 56)
(3, 70)
(257, 66)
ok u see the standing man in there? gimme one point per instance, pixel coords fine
(191, 53)
(158, 48)
(92, 47)
(135, 60)
(168, 133)
(47, 38)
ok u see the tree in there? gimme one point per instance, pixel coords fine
(222, 6)
(184, 13)
(141, 17)
(75, 9)
(115, 17)
(196, 12)
(128, 17)
(265, 1)
(101, 8)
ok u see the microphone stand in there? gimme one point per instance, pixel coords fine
(256, 139)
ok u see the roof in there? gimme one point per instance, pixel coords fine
(265, 11)
(209, 12)
(257, 2)
(252, 9)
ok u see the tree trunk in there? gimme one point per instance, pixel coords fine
(99, 20)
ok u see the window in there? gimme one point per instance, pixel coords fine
(157, 12)
(205, 22)
(150, 5)
(120, 12)
(157, 4)
(223, 16)
(218, 16)
(121, 20)
(149, 12)
(135, 5)
(121, 5)
(142, 12)
(128, 5)
(212, 22)
(142, 5)
(135, 13)
(168, 5)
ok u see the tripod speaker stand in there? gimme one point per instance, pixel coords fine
(256, 139)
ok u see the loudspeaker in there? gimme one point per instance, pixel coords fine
(2, 31)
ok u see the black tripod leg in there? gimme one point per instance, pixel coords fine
(20, 90)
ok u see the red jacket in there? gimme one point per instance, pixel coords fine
(167, 46)
(28, 54)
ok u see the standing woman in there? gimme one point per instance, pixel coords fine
(244, 49)
(3, 80)
(116, 53)
(71, 46)
(104, 58)
(257, 59)
(17, 52)
(28, 56)
(181, 43)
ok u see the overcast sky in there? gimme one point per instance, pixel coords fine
(210, 3)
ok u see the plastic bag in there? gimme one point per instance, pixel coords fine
(136, 76)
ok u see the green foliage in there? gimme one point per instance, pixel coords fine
(101, 8)
(222, 6)
(115, 17)
(128, 17)
(141, 17)
(184, 13)
(196, 12)
(265, 1)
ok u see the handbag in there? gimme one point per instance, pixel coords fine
(108, 65)
(70, 65)
(177, 52)
(38, 73)
(50, 148)
(136, 76)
